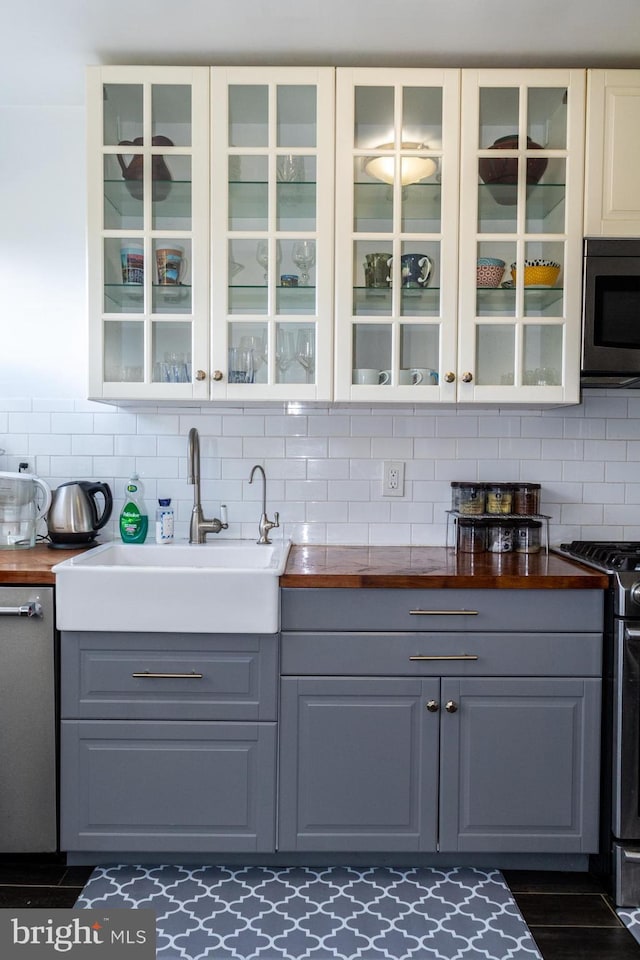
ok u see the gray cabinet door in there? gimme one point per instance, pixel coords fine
(519, 765)
(358, 764)
(157, 786)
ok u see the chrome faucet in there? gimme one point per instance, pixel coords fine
(265, 524)
(200, 526)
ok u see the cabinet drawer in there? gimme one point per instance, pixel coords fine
(442, 610)
(168, 787)
(432, 654)
(168, 677)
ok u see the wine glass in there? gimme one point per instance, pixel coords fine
(304, 256)
(306, 351)
(258, 346)
(285, 352)
(262, 256)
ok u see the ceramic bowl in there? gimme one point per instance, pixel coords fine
(489, 272)
(538, 273)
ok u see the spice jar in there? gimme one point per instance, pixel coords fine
(527, 537)
(500, 536)
(467, 498)
(472, 536)
(526, 498)
(499, 498)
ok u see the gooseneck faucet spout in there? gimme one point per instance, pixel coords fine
(265, 524)
(200, 526)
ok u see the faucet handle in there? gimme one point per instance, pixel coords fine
(277, 520)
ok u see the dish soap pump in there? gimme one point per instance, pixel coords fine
(164, 522)
(134, 519)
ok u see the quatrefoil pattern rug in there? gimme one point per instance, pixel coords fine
(630, 916)
(331, 913)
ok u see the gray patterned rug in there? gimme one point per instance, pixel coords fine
(331, 913)
(630, 916)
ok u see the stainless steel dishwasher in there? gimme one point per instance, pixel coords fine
(28, 817)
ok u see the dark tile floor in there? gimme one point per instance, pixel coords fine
(571, 917)
(569, 914)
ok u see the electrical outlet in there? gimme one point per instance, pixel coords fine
(393, 479)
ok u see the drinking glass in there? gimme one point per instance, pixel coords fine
(285, 350)
(241, 368)
(262, 256)
(304, 256)
(258, 345)
(306, 351)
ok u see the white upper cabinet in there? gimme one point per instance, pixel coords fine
(520, 236)
(612, 204)
(211, 237)
(148, 174)
(272, 151)
(397, 186)
(452, 272)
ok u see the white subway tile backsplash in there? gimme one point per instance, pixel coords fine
(324, 463)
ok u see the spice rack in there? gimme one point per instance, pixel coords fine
(497, 518)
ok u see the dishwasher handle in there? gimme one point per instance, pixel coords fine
(31, 609)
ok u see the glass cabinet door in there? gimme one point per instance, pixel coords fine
(397, 204)
(148, 231)
(272, 232)
(520, 235)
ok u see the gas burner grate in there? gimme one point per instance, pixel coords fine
(609, 555)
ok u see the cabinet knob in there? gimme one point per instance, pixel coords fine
(201, 375)
(451, 706)
(432, 706)
(467, 377)
(217, 374)
(449, 376)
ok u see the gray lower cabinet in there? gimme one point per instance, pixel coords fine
(168, 743)
(454, 738)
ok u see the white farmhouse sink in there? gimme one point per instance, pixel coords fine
(228, 586)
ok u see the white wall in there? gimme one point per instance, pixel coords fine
(324, 464)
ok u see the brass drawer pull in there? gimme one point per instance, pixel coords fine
(453, 656)
(167, 676)
(443, 613)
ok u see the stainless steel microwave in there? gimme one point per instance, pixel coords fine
(611, 312)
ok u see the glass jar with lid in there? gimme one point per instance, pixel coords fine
(526, 498)
(472, 536)
(527, 536)
(467, 497)
(499, 498)
(500, 536)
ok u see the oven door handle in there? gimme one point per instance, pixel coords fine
(633, 855)
(631, 634)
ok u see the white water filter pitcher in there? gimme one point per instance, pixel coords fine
(24, 499)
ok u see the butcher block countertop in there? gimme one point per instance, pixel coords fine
(352, 566)
(416, 567)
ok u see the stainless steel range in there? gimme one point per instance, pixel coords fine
(620, 844)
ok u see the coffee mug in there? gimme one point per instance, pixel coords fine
(424, 375)
(410, 377)
(376, 269)
(241, 365)
(384, 377)
(365, 375)
(132, 261)
(171, 265)
(416, 269)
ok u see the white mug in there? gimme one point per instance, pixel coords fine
(424, 375)
(384, 377)
(365, 375)
(409, 377)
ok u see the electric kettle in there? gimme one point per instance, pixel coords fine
(73, 518)
(24, 499)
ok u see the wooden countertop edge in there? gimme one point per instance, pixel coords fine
(453, 581)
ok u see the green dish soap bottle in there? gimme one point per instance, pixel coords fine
(134, 519)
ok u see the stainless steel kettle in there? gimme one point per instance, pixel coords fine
(73, 518)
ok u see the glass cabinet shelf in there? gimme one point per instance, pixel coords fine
(496, 201)
(123, 296)
(176, 203)
(504, 299)
(420, 201)
(247, 299)
(248, 199)
(374, 299)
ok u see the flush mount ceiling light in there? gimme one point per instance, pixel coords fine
(412, 168)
